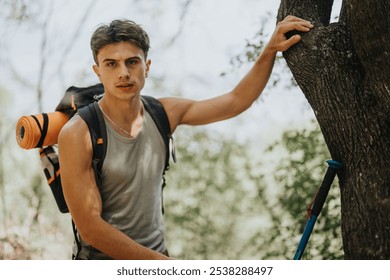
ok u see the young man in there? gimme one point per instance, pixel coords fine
(123, 219)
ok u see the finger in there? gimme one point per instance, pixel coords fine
(291, 17)
(290, 42)
(299, 22)
(295, 22)
(303, 27)
(295, 19)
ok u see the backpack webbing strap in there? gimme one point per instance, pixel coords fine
(97, 130)
(43, 129)
(98, 133)
(160, 118)
(76, 239)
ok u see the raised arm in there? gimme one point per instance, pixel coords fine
(185, 111)
(83, 197)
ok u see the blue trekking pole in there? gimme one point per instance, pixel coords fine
(318, 203)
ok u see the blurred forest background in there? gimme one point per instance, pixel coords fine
(240, 188)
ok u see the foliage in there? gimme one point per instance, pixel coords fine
(208, 198)
(218, 205)
(300, 173)
(30, 225)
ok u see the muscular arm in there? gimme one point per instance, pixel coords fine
(241, 97)
(83, 197)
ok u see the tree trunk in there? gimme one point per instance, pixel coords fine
(343, 70)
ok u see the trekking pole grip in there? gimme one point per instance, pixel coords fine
(325, 186)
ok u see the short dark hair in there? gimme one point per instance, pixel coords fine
(119, 31)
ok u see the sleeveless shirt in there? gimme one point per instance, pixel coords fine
(131, 189)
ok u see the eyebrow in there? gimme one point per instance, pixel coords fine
(129, 58)
(108, 59)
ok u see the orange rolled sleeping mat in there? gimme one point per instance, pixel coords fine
(36, 131)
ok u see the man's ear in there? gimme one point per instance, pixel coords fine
(147, 67)
(96, 70)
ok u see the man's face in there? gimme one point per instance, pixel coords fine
(122, 69)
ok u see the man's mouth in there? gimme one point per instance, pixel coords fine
(125, 86)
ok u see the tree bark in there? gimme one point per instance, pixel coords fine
(343, 70)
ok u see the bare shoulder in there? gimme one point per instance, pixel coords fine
(75, 135)
(74, 128)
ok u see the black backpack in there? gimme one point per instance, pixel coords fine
(84, 102)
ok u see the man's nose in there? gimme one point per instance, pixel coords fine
(124, 73)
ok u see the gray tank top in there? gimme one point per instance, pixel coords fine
(131, 188)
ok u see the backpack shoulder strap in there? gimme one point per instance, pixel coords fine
(93, 117)
(160, 118)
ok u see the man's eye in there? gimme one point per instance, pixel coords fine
(111, 64)
(131, 62)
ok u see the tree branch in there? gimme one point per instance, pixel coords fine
(318, 12)
(343, 13)
(307, 9)
(184, 11)
(42, 66)
(324, 10)
(369, 23)
(74, 37)
(316, 62)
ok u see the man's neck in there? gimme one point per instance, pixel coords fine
(126, 116)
